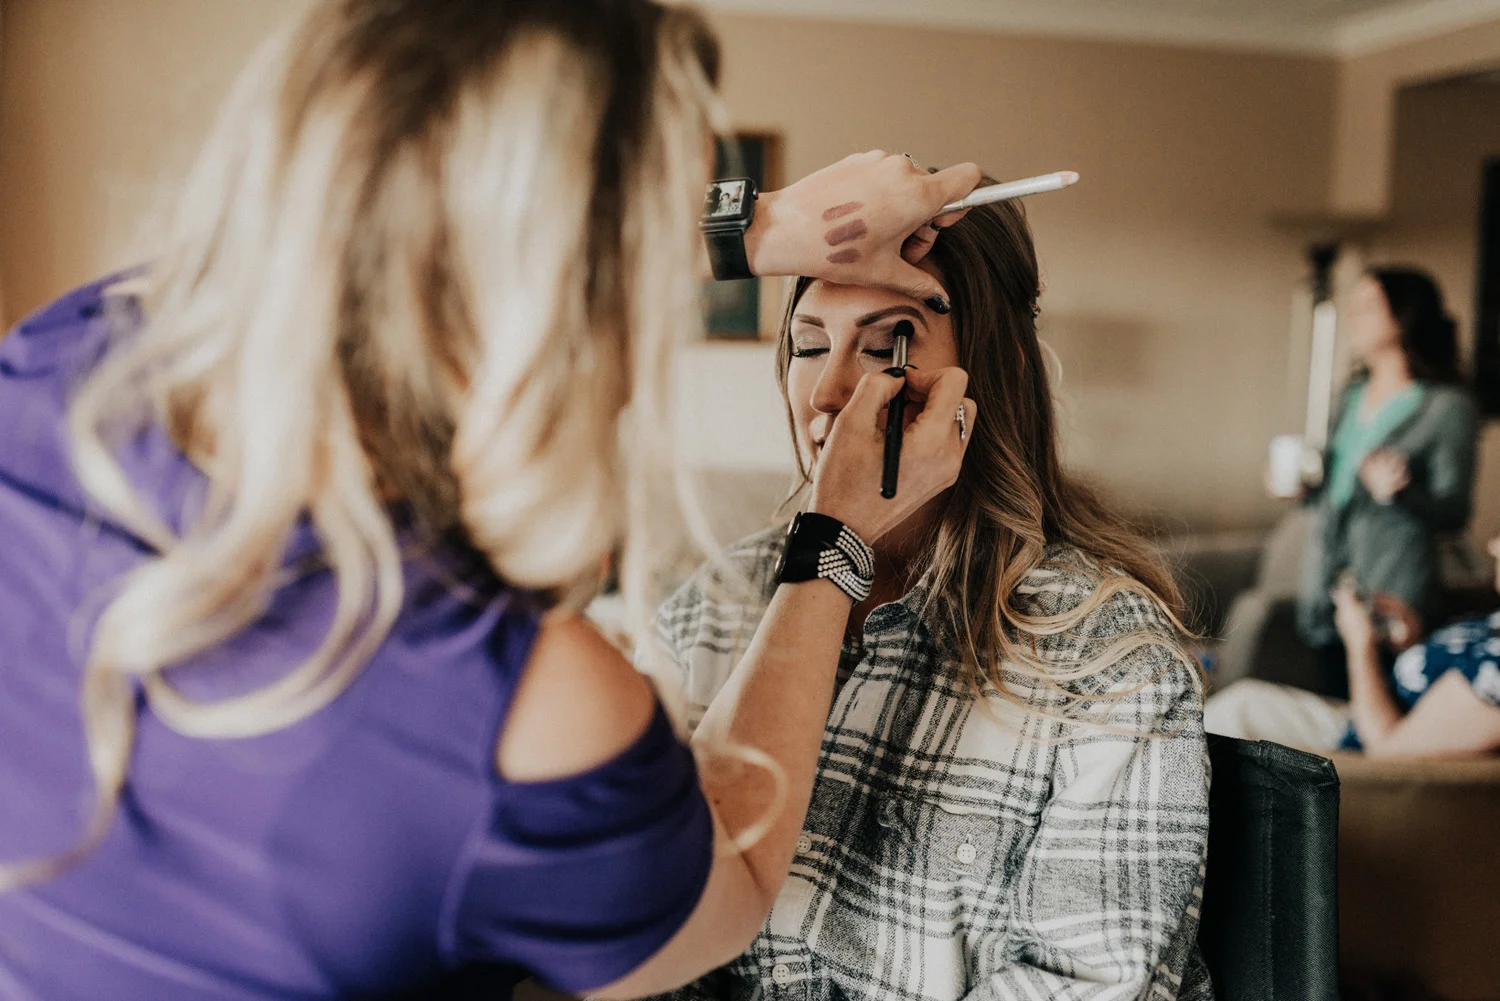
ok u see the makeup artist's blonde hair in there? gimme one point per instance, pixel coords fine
(1013, 498)
(430, 254)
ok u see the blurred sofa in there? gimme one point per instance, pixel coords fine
(1258, 638)
(1419, 887)
(1258, 634)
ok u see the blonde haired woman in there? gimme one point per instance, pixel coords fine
(281, 714)
(1012, 797)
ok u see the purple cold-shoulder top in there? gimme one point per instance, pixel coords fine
(370, 849)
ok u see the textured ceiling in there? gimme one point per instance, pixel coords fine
(1319, 26)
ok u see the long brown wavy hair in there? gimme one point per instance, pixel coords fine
(1012, 498)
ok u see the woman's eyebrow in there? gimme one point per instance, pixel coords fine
(889, 311)
(811, 321)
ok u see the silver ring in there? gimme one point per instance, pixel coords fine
(913, 160)
(963, 425)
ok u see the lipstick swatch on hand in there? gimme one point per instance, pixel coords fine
(848, 231)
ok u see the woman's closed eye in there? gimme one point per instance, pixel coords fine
(812, 351)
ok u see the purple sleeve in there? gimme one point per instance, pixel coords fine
(42, 362)
(582, 879)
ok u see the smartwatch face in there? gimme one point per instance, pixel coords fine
(726, 200)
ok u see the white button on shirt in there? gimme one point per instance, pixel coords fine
(782, 974)
(804, 845)
(966, 854)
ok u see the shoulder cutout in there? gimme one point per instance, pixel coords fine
(579, 704)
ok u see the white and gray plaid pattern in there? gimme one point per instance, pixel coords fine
(959, 850)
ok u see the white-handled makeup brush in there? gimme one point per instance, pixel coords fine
(1012, 189)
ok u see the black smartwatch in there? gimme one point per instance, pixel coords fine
(820, 546)
(728, 209)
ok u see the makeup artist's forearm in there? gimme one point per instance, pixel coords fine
(760, 238)
(1370, 704)
(776, 701)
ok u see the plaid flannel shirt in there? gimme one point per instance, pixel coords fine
(958, 850)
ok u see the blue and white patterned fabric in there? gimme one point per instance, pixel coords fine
(1471, 647)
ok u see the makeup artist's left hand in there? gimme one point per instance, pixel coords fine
(859, 222)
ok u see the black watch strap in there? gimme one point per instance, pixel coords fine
(726, 253)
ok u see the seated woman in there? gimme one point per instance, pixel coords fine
(1441, 700)
(1012, 798)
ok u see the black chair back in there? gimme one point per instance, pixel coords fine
(1269, 928)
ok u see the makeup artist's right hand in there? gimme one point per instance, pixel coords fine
(846, 483)
(849, 222)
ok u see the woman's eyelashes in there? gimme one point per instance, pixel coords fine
(882, 353)
(811, 351)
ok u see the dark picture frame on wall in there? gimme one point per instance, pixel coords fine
(1487, 296)
(732, 309)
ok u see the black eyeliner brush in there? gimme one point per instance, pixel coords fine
(895, 412)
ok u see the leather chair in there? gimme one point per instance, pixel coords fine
(1269, 927)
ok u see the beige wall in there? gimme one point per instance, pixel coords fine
(1364, 136)
(1442, 135)
(1169, 297)
(102, 103)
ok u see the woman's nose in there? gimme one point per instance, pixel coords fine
(835, 384)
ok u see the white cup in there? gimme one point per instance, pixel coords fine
(1285, 479)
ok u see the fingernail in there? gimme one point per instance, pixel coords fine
(938, 304)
